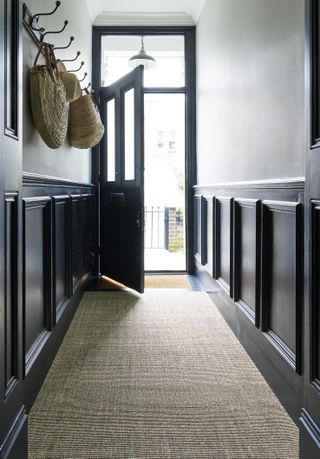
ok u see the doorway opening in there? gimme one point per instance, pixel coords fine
(167, 156)
(164, 182)
(164, 142)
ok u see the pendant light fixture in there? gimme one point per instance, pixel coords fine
(142, 58)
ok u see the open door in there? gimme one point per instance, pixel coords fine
(121, 181)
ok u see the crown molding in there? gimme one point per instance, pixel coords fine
(143, 19)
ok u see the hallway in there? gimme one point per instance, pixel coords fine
(158, 375)
(140, 138)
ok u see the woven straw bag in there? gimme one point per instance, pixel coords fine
(71, 85)
(48, 100)
(86, 128)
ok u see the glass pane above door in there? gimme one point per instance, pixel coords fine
(168, 52)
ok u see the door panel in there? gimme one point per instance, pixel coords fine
(310, 416)
(121, 183)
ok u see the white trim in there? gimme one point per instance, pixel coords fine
(143, 19)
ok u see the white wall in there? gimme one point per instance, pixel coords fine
(66, 162)
(250, 90)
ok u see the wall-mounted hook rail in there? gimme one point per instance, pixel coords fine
(84, 77)
(39, 34)
(55, 31)
(35, 18)
(77, 70)
(86, 88)
(40, 30)
(71, 60)
(65, 47)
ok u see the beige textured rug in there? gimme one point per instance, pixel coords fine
(156, 376)
(166, 281)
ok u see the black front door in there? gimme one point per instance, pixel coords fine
(121, 181)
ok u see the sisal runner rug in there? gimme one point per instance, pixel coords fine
(156, 376)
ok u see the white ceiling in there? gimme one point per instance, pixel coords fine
(146, 8)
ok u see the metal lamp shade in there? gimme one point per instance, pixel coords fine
(142, 58)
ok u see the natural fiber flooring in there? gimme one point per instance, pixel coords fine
(166, 281)
(156, 376)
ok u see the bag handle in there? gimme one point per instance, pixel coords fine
(54, 61)
(38, 54)
(51, 62)
(92, 99)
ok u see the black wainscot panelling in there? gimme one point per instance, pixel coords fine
(223, 246)
(315, 296)
(282, 278)
(81, 214)
(200, 233)
(11, 34)
(15, 445)
(61, 253)
(309, 437)
(197, 226)
(257, 274)
(58, 249)
(246, 268)
(310, 416)
(37, 276)
(76, 239)
(11, 289)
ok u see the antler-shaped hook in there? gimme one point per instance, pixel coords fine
(65, 47)
(84, 77)
(36, 17)
(72, 60)
(55, 31)
(77, 70)
(86, 88)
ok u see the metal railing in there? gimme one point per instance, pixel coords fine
(156, 227)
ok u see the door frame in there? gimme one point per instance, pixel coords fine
(190, 125)
(310, 415)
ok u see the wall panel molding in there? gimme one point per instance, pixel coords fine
(204, 229)
(15, 443)
(11, 292)
(315, 296)
(247, 259)
(37, 304)
(223, 242)
(309, 436)
(260, 226)
(76, 232)
(61, 250)
(295, 183)
(51, 238)
(11, 76)
(282, 278)
(200, 233)
(38, 180)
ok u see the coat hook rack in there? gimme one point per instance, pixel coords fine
(40, 30)
(87, 88)
(71, 60)
(84, 77)
(36, 17)
(65, 47)
(54, 31)
(77, 70)
(38, 34)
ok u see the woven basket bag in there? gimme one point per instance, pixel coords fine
(86, 128)
(48, 100)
